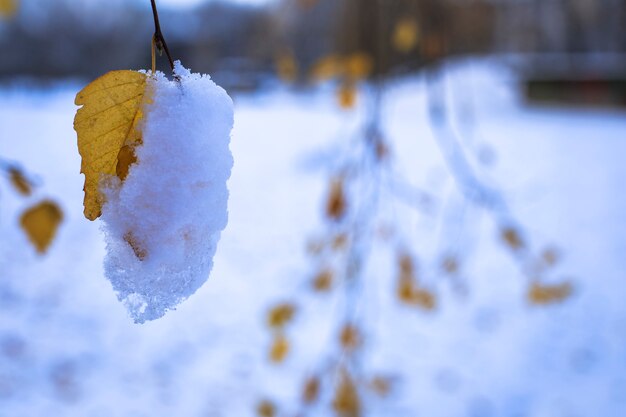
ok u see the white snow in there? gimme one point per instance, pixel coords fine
(67, 347)
(162, 223)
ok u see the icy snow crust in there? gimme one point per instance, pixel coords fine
(173, 204)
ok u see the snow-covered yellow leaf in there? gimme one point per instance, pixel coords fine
(107, 128)
(40, 224)
(405, 35)
(8, 8)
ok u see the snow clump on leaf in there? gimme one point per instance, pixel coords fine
(163, 220)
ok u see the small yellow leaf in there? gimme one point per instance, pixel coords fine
(408, 292)
(347, 402)
(512, 238)
(340, 241)
(266, 409)
(8, 8)
(405, 35)
(279, 349)
(381, 385)
(40, 223)
(350, 338)
(336, 204)
(405, 289)
(107, 125)
(347, 94)
(280, 315)
(311, 390)
(323, 280)
(286, 67)
(542, 294)
(406, 265)
(326, 68)
(21, 184)
(424, 299)
(358, 65)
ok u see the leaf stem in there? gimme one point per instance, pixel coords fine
(159, 40)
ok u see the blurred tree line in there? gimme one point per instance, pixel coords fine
(73, 38)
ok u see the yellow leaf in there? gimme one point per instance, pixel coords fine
(286, 67)
(266, 409)
(340, 241)
(40, 223)
(542, 294)
(280, 315)
(8, 8)
(350, 338)
(405, 35)
(21, 184)
(424, 299)
(358, 65)
(323, 280)
(336, 203)
(279, 349)
(346, 95)
(311, 390)
(347, 402)
(108, 131)
(326, 68)
(512, 238)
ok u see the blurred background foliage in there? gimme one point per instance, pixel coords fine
(240, 43)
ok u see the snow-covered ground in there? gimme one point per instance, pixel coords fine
(68, 348)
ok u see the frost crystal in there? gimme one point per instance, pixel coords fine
(162, 224)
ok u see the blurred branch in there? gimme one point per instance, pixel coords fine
(452, 150)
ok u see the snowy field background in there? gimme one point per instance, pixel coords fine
(68, 348)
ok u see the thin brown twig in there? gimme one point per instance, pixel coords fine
(158, 35)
